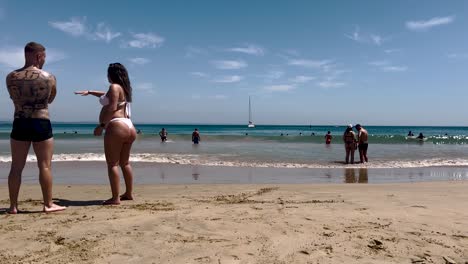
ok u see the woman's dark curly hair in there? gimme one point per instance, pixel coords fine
(119, 75)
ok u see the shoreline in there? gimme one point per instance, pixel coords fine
(95, 172)
(246, 223)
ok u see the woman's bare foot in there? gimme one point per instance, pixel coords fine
(126, 197)
(12, 210)
(111, 202)
(53, 208)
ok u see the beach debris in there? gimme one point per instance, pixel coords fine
(376, 244)
(305, 252)
(448, 260)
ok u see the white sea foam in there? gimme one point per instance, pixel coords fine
(191, 159)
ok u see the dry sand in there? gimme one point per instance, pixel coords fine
(385, 223)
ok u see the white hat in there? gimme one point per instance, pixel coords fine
(350, 126)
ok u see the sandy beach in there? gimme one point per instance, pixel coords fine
(225, 223)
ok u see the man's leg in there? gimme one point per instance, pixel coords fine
(44, 150)
(19, 154)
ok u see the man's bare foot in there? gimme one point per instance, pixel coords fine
(111, 202)
(12, 210)
(126, 197)
(53, 208)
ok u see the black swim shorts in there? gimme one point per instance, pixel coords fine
(363, 146)
(31, 129)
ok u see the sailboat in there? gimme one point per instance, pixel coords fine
(251, 124)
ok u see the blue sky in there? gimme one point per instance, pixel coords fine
(302, 62)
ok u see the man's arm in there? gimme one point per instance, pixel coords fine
(53, 88)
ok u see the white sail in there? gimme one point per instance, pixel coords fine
(251, 124)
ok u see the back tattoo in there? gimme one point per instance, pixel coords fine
(31, 90)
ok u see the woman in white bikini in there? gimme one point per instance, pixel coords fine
(120, 132)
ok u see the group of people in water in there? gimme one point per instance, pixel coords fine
(195, 135)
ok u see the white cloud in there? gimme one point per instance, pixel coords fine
(144, 40)
(355, 35)
(310, 63)
(199, 74)
(280, 88)
(13, 57)
(54, 55)
(103, 32)
(273, 75)
(331, 84)
(139, 61)
(249, 49)
(394, 68)
(292, 52)
(144, 87)
(379, 63)
(422, 25)
(376, 39)
(219, 97)
(302, 79)
(458, 56)
(75, 27)
(229, 64)
(229, 79)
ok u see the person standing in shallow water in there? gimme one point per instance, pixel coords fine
(362, 143)
(163, 134)
(120, 132)
(31, 89)
(349, 138)
(196, 136)
(328, 138)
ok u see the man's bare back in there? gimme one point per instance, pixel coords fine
(31, 90)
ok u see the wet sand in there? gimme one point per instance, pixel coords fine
(242, 223)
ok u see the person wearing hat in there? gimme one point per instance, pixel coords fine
(362, 143)
(349, 138)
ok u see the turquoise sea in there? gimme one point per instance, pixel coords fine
(263, 146)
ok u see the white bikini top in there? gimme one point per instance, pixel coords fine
(104, 100)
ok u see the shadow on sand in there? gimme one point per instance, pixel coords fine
(68, 203)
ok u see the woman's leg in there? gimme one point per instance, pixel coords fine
(113, 143)
(126, 167)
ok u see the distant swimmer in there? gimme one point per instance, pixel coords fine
(410, 134)
(421, 136)
(328, 138)
(349, 138)
(196, 136)
(300, 134)
(362, 143)
(163, 135)
(138, 131)
(282, 134)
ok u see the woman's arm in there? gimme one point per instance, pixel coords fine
(87, 92)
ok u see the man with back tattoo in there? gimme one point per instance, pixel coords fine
(31, 89)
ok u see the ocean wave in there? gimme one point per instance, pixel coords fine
(202, 160)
